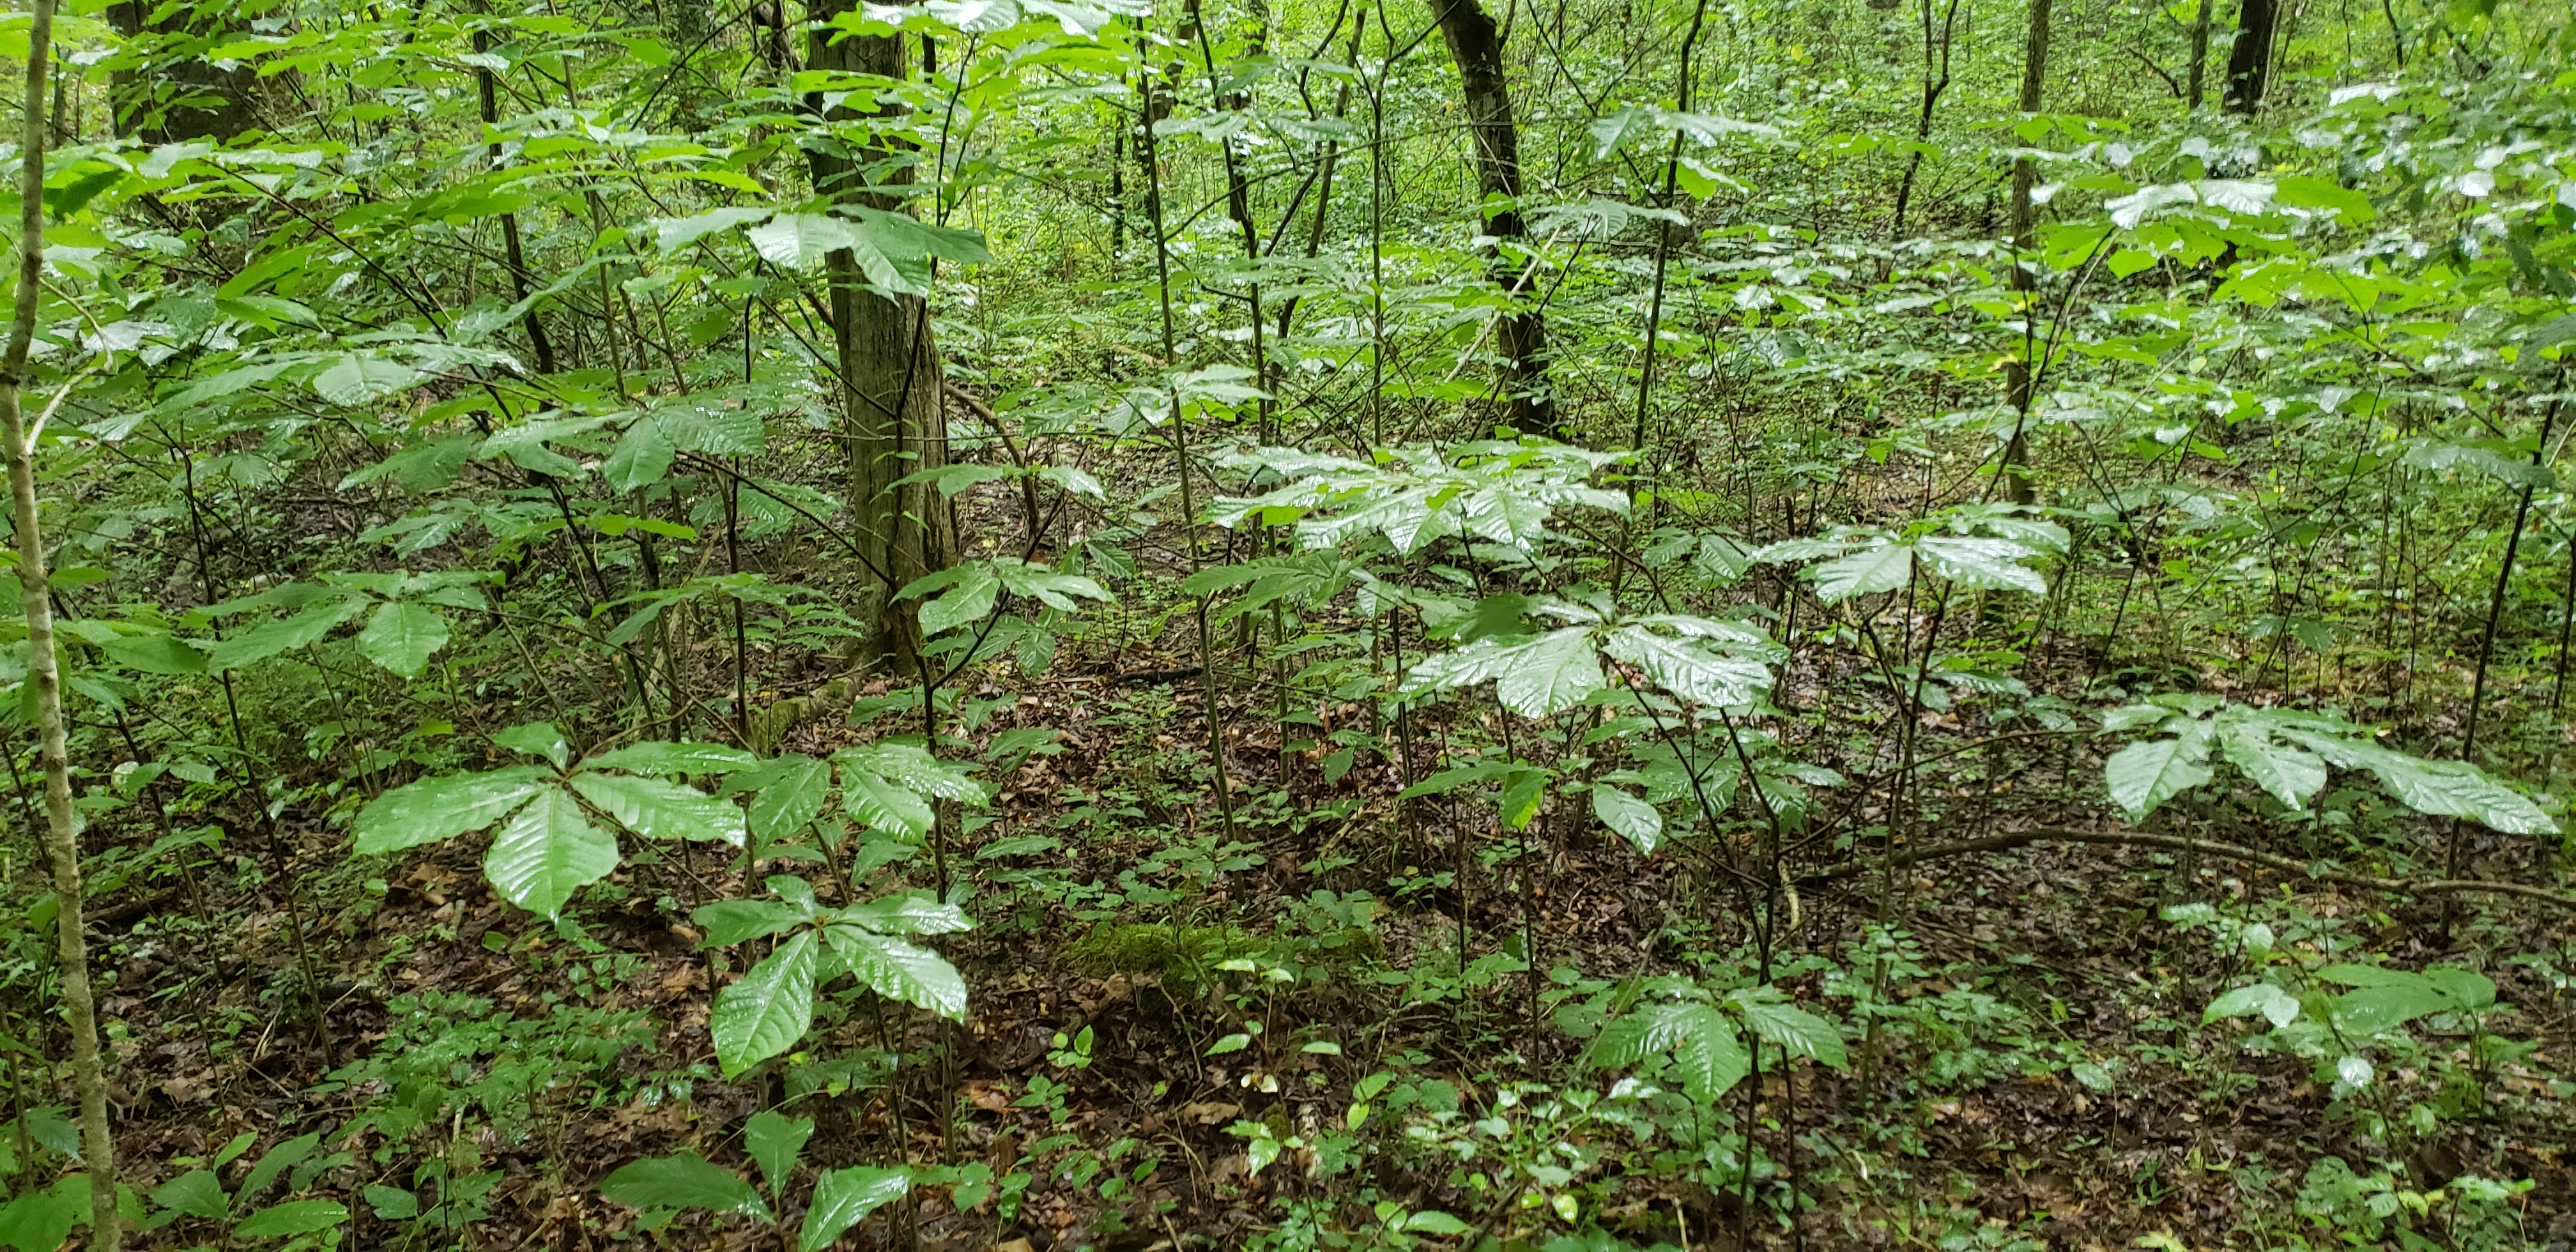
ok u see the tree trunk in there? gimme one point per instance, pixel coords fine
(1477, 45)
(178, 96)
(2199, 57)
(2025, 219)
(892, 414)
(2249, 59)
(62, 837)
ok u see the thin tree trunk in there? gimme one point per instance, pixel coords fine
(62, 838)
(891, 399)
(1476, 43)
(2249, 59)
(2017, 370)
(2198, 89)
(1933, 86)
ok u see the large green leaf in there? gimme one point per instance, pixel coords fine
(548, 852)
(1704, 1043)
(2290, 774)
(800, 241)
(1688, 670)
(1534, 676)
(360, 377)
(911, 766)
(2275, 1005)
(774, 1141)
(1794, 1029)
(1985, 564)
(684, 1181)
(677, 759)
(884, 804)
(842, 1197)
(40, 1221)
(2148, 773)
(729, 922)
(1629, 815)
(154, 654)
(662, 810)
(766, 1011)
(442, 808)
(898, 970)
(295, 1217)
(197, 1193)
(270, 638)
(401, 636)
(970, 598)
(1866, 572)
(915, 914)
(792, 792)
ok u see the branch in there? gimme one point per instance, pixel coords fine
(2206, 847)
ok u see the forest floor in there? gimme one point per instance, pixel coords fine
(2032, 956)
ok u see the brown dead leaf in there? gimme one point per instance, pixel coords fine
(1209, 1112)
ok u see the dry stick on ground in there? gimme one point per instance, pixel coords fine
(62, 838)
(2205, 847)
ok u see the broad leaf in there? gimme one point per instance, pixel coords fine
(766, 1011)
(548, 852)
(1985, 564)
(1794, 1029)
(1686, 669)
(842, 1197)
(2275, 1005)
(154, 654)
(1704, 1043)
(1869, 571)
(898, 970)
(442, 808)
(684, 1181)
(270, 638)
(774, 1141)
(197, 1193)
(1628, 815)
(1533, 676)
(678, 759)
(729, 922)
(401, 636)
(792, 792)
(295, 1217)
(662, 810)
(2150, 772)
(2290, 774)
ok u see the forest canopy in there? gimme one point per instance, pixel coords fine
(1289, 624)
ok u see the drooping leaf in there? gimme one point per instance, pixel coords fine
(684, 1181)
(842, 1197)
(1703, 1041)
(774, 1141)
(1689, 670)
(197, 1193)
(1534, 676)
(442, 808)
(792, 792)
(548, 852)
(767, 1010)
(41, 1220)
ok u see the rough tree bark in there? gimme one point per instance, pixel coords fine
(1476, 43)
(2249, 59)
(176, 95)
(2200, 57)
(893, 417)
(2025, 220)
(62, 837)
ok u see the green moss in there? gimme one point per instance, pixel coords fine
(1182, 955)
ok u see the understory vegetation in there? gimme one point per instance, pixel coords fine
(1289, 624)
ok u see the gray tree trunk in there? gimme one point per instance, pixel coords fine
(893, 419)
